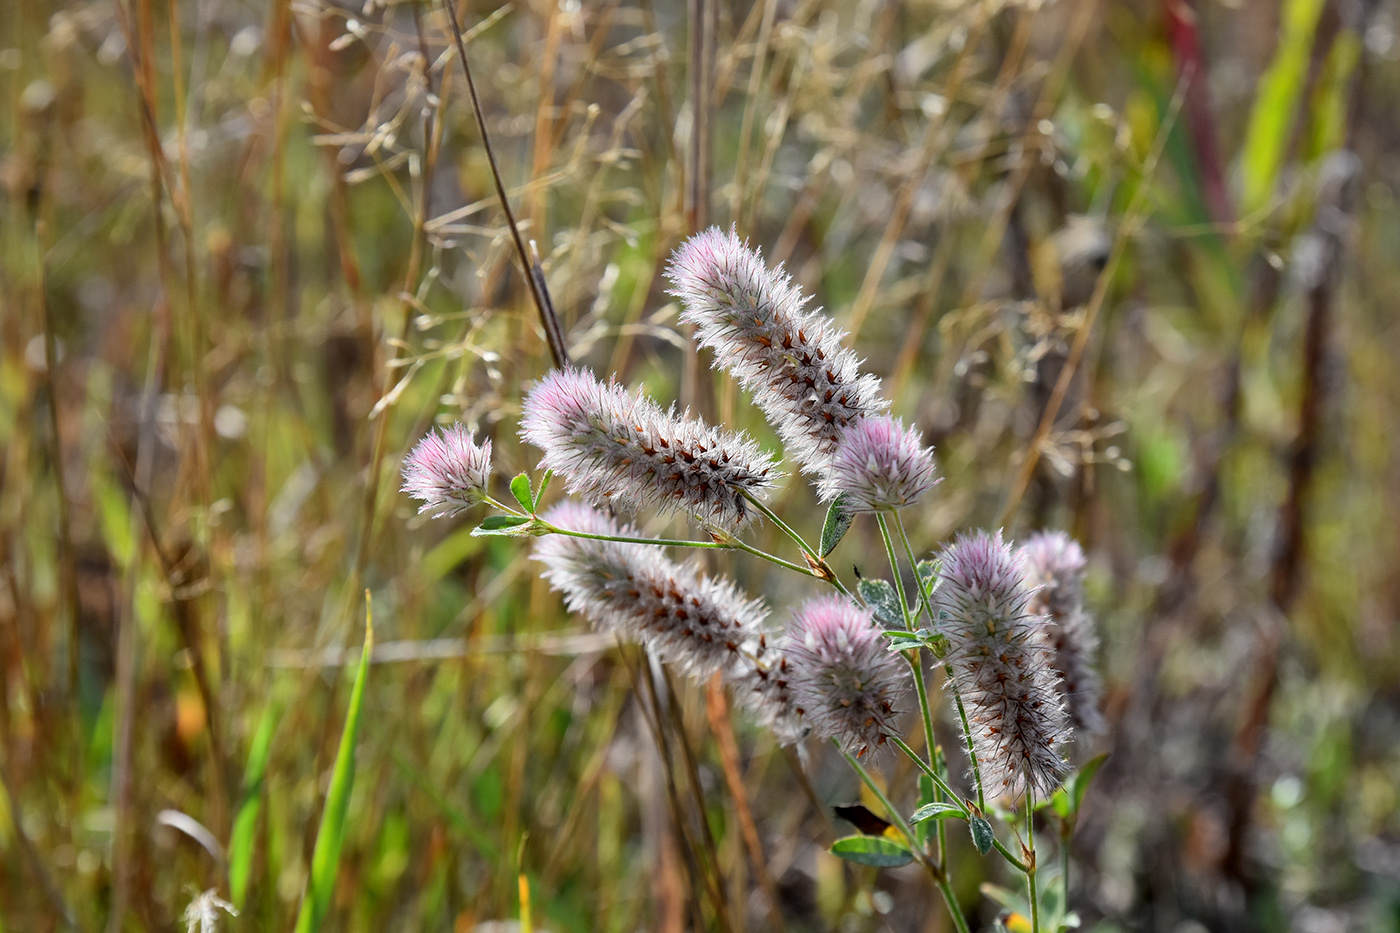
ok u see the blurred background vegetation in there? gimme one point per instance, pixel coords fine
(1132, 266)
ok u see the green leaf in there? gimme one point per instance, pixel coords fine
(1085, 777)
(938, 811)
(1276, 104)
(838, 522)
(325, 855)
(520, 488)
(245, 824)
(928, 574)
(881, 598)
(872, 850)
(544, 484)
(982, 835)
(500, 524)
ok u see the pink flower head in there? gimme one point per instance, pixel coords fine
(792, 360)
(844, 680)
(701, 624)
(1001, 666)
(447, 471)
(1054, 568)
(879, 466)
(617, 447)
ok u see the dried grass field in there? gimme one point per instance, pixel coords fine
(1131, 267)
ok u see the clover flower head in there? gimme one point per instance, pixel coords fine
(878, 466)
(792, 360)
(447, 471)
(1054, 567)
(701, 624)
(845, 682)
(613, 446)
(1001, 665)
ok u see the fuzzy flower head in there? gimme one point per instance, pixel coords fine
(845, 682)
(448, 472)
(616, 447)
(700, 624)
(1054, 567)
(878, 466)
(793, 362)
(1001, 666)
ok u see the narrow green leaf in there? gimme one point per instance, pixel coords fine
(544, 484)
(325, 856)
(881, 597)
(938, 811)
(520, 488)
(245, 824)
(982, 835)
(1276, 104)
(499, 524)
(872, 850)
(1085, 777)
(838, 522)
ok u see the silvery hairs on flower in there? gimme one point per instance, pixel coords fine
(617, 447)
(844, 680)
(1054, 567)
(448, 472)
(878, 466)
(699, 624)
(1001, 666)
(791, 360)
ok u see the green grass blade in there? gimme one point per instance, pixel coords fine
(1276, 104)
(325, 857)
(245, 824)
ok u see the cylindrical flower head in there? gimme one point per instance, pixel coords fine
(700, 624)
(761, 683)
(792, 360)
(879, 466)
(615, 447)
(447, 471)
(1001, 666)
(1054, 568)
(845, 682)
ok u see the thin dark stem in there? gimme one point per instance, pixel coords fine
(534, 273)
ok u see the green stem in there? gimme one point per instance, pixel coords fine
(890, 810)
(915, 757)
(1064, 864)
(914, 657)
(813, 557)
(937, 871)
(731, 544)
(1030, 870)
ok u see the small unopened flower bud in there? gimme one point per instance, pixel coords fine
(448, 472)
(1001, 666)
(845, 682)
(1054, 568)
(806, 382)
(879, 466)
(622, 448)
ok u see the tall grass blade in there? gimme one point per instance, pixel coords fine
(1276, 105)
(245, 824)
(325, 857)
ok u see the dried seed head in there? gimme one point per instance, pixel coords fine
(1001, 666)
(1054, 568)
(805, 381)
(700, 624)
(879, 466)
(447, 471)
(844, 679)
(615, 447)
